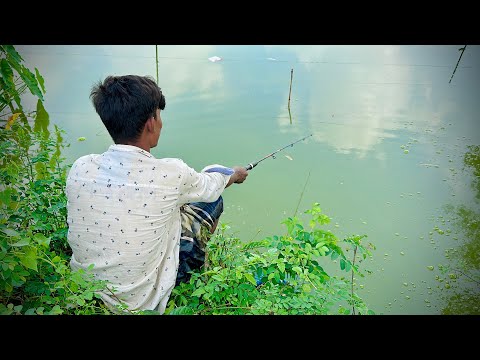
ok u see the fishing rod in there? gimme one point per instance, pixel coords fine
(252, 165)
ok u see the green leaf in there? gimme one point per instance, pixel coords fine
(56, 310)
(42, 120)
(182, 310)
(277, 277)
(198, 292)
(306, 288)
(29, 259)
(7, 74)
(238, 274)
(31, 81)
(321, 251)
(10, 232)
(40, 80)
(342, 264)
(250, 278)
(297, 269)
(30, 311)
(281, 267)
(3, 101)
(41, 239)
(334, 255)
(348, 266)
(22, 242)
(6, 196)
(320, 244)
(80, 301)
(12, 54)
(8, 288)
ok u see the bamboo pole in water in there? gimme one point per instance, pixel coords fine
(290, 92)
(458, 62)
(289, 95)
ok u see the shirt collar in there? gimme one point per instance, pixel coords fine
(129, 148)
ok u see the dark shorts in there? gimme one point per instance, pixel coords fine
(198, 223)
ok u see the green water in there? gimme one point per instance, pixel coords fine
(364, 105)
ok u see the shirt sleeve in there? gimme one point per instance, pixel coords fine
(201, 186)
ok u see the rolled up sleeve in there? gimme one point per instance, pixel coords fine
(201, 186)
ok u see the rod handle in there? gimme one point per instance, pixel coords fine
(250, 166)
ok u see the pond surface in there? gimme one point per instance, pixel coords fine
(386, 157)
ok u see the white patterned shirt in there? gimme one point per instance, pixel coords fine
(124, 218)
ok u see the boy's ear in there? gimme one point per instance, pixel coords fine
(149, 125)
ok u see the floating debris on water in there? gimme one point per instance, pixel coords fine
(405, 151)
(214, 58)
(402, 253)
(430, 268)
(81, 138)
(288, 157)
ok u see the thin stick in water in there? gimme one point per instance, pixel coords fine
(289, 94)
(458, 62)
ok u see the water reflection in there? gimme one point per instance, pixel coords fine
(185, 74)
(382, 91)
(459, 279)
